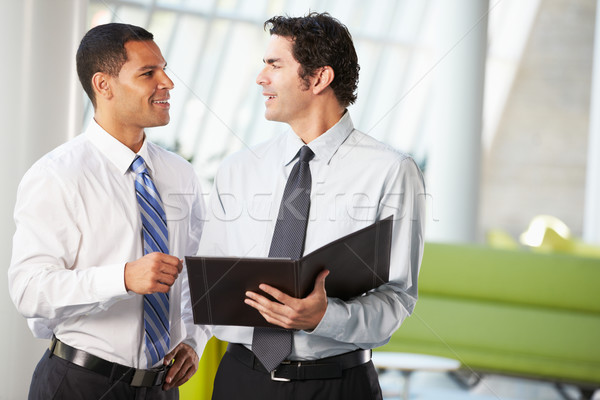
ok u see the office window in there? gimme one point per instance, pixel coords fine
(214, 51)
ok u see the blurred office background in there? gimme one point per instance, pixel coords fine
(493, 98)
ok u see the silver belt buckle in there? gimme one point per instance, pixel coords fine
(275, 378)
(161, 374)
(142, 377)
(138, 378)
(278, 379)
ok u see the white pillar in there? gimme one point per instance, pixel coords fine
(41, 108)
(591, 215)
(453, 167)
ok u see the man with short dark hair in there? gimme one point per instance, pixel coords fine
(320, 181)
(102, 222)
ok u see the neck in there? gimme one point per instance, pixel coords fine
(317, 123)
(132, 137)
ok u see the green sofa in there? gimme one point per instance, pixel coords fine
(514, 312)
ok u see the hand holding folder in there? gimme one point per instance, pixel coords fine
(357, 263)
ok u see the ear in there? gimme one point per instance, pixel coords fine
(101, 83)
(323, 79)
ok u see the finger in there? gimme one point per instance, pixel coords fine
(278, 320)
(269, 315)
(175, 369)
(168, 260)
(159, 287)
(190, 372)
(179, 265)
(171, 259)
(266, 303)
(320, 281)
(163, 281)
(170, 356)
(162, 257)
(276, 294)
(254, 304)
(166, 279)
(170, 269)
(161, 284)
(182, 375)
(258, 306)
(173, 379)
(183, 368)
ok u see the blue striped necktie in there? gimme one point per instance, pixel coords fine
(156, 239)
(273, 345)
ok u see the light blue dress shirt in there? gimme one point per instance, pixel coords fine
(356, 181)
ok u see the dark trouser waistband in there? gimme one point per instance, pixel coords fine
(113, 371)
(324, 368)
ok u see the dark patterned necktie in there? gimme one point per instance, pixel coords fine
(156, 238)
(273, 345)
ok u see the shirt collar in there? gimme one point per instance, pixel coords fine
(116, 152)
(325, 146)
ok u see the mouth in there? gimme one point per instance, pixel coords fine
(162, 103)
(269, 96)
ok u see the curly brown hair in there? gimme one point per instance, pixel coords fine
(320, 40)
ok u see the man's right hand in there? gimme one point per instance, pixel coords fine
(155, 272)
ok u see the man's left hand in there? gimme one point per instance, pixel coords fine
(290, 312)
(184, 366)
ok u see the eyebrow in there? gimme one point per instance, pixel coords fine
(149, 67)
(271, 60)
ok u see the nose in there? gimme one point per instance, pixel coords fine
(166, 82)
(262, 79)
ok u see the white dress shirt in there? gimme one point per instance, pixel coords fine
(356, 181)
(78, 224)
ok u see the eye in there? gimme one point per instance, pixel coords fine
(149, 73)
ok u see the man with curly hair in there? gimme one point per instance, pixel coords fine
(319, 181)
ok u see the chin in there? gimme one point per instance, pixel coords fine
(161, 122)
(272, 117)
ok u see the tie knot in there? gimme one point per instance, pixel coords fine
(138, 165)
(306, 154)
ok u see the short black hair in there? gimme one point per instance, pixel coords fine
(320, 40)
(102, 49)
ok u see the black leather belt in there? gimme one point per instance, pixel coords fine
(113, 371)
(324, 368)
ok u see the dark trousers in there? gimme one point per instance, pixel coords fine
(57, 379)
(235, 380)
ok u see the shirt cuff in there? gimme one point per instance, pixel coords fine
(197, 338)
(109, 282)
(335, 316)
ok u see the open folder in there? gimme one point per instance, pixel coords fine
(357, 263)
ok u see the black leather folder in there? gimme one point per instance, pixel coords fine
(357, 263)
